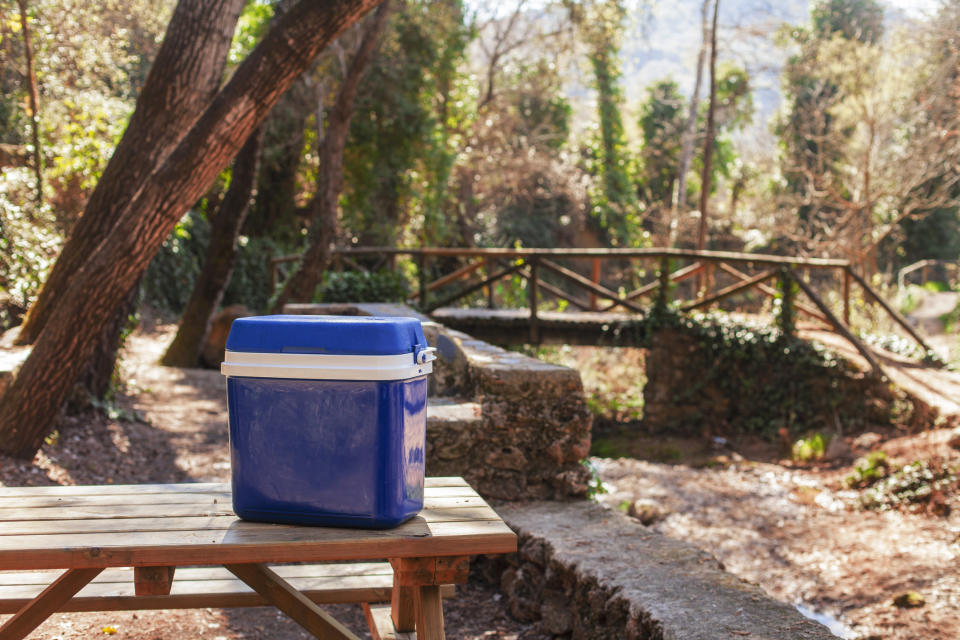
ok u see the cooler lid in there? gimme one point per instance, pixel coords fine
(329, 335)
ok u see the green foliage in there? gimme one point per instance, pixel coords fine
(595, 486)
(935, 235)
(868, 470)
(401, 149)
(853, 19)
(250, 279)
(913, 484)
(534, 218)
(615, 206)
(253, 23)
(90, 59)
(663, 119)
(29, 242)
(169, 279)
(363, 286)
(616, 406)
(809, 449)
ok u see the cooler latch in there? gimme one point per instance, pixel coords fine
(423, 355)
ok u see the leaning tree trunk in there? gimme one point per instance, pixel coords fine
(208, 290)
(325, 204)
(182, 80)
(31, 403)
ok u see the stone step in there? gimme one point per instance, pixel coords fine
(453, 428)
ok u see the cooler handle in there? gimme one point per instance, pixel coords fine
(425, 355)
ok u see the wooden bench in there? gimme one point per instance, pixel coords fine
(152, 546)
(202, 587)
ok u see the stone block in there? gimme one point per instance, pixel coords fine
(583, 571)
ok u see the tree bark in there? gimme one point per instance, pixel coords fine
(689, 131)
(33, 399)
(325, 204)
(185, 349)
(182, 80)
(34, 106)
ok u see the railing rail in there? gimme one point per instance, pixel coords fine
(493, 264)
(923, 266)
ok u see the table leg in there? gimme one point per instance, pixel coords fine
(403, 607)
(280, 594)
(47, 603)
(430, 614)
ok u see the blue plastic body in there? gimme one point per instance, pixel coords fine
(327, 452)
(334, 335)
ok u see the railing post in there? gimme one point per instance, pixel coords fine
(663, 292)
(595, 278)
(846, 296)
(491, 303)
(532, 292)
(422, 276)
(786, 319)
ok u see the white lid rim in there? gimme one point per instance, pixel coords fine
(373, 374)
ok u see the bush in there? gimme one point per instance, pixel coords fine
(362, 286)
(250, 280)
(29, 244)
(915, 483)
(168, 281)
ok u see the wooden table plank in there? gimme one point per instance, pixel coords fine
(163, 499)
(65, 527)
(264, 543)
(178, 489)
(124, 575)
(119, 511)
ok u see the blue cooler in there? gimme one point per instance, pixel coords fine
(328, 418)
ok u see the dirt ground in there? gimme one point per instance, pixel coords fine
(180, 435)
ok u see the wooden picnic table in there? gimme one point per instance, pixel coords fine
(67, 536)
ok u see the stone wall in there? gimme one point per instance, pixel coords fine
(678, 396)
(533, 428)
(587, 573)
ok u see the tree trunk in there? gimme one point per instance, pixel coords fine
(708, 139)
(185, 349)
(34, 107)
(686, 151)
(98, 374)
(325, 204)
(182, 80)
(31, 403)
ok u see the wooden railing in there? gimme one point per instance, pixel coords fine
(925, 267)
(740, 271)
